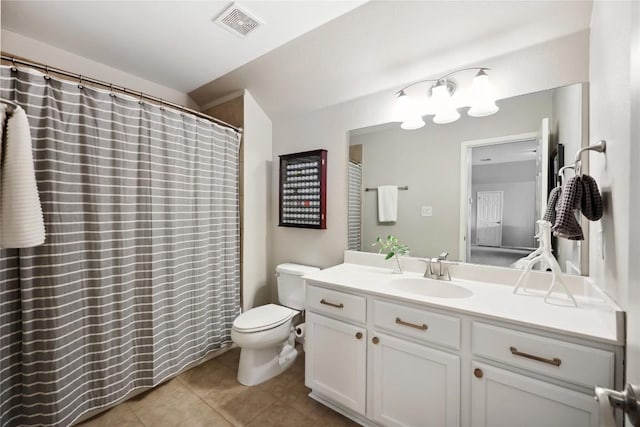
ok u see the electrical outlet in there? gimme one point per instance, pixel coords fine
(427, 211)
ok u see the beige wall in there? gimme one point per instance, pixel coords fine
(610, 120)
(258, 150)
(428, 161)
(557, 63)
(37, 51)
(567, 128)
(243, 110)
(633, 297)
(615, 105)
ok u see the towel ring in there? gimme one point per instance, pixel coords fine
(562, 170)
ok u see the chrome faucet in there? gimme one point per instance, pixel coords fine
(428, 272)
(443, 267)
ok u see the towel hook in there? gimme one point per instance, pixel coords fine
(599, 147)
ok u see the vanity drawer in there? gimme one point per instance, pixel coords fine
(417, 323)
(558, 359)
(338, 304)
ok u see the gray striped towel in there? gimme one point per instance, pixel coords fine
(566, 224)
(590, 200)
(550, 213)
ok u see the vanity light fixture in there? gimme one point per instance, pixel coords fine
(440, 96)
(407, 112)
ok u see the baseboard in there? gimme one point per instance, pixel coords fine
(344, 411)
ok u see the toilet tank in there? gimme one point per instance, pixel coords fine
(291, 290)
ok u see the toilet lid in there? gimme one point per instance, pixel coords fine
(263, 317)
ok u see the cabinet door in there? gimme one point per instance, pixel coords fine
(413, 385)
(336, 361)
(503, 398)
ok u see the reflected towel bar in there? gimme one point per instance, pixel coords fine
(406, 187)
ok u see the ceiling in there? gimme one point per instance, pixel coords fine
(384, 44)
(173, 43)
(308, 55)
(522, 151)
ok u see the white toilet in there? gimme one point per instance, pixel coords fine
(265, 334)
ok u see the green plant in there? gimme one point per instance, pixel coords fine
(391, 246)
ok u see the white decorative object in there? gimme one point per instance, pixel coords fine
(543, 254)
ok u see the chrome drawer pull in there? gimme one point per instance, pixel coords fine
(323, 301)
(555, 361)
(422, 327)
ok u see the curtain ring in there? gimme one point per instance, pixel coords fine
(161, 104)
(140, 100)
(182, 110)
(111, 93)
(47, 76)
(80, 85)
(13, 65)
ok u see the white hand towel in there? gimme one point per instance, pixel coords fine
(387, 203)
(21, 219)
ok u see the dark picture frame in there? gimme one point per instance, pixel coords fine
(556, 161)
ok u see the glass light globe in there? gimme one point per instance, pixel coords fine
(446, 111)
(411, 123)
(483, 102)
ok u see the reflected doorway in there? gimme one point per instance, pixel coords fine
(503, 198)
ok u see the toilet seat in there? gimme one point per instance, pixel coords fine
(263, 318)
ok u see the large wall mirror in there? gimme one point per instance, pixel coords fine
(473, 188)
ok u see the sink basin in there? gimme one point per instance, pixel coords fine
(430, 288)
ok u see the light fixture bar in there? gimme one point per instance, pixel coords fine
(443, 77)
(441, 94)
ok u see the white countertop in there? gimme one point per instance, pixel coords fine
(595, 319)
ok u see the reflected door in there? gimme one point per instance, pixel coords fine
(489, 218)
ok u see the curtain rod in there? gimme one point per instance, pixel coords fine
(15, 60)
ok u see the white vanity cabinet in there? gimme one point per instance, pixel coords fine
(500, 398)
(335, 364)
(388, 362)
(409, 383)
(503, 398)
(412, 384)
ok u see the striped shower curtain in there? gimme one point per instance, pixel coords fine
(139, 275)
(354, 214)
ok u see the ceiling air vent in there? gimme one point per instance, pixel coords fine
(237, 21)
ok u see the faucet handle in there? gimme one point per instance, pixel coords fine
(443, 256)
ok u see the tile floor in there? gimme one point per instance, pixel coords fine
(210, 395)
